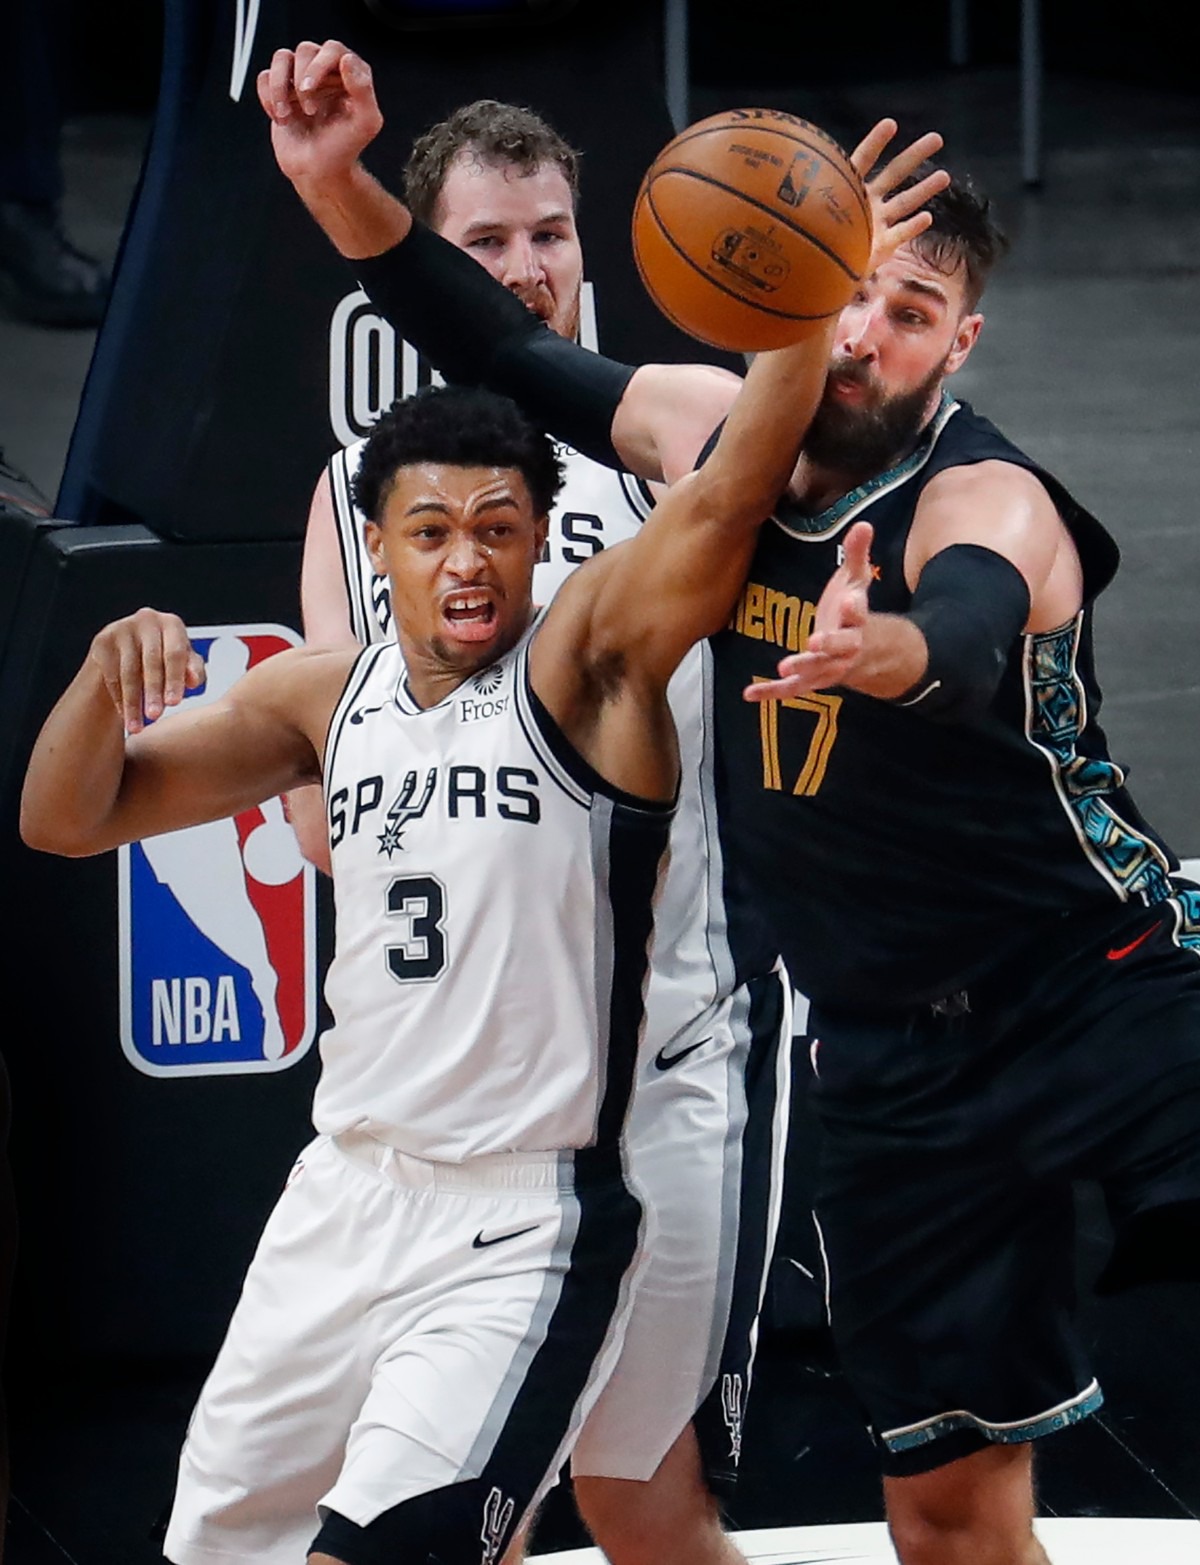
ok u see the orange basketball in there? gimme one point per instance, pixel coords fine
(750, 227)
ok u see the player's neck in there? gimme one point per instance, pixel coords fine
(432, 671)
(816, 488)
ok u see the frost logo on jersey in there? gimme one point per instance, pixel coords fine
(488, 680)
(403, 810)
(732, 1404)
(485, 702)
(217, 923)
(369, 366)
(497, 1519)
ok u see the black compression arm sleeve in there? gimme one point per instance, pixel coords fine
(472, 329)
(970, 604)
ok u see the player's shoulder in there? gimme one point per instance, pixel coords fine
(989, 476)
(298, 675)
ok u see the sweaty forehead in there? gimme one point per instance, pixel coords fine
(445, 485)
(480, 191)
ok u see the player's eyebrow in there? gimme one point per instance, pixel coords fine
(485, 225)
(919, 285)
(440, 508)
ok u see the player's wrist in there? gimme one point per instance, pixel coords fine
(358, 216)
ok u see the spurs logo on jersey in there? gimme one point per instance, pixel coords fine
(465, 792)
(488, 853)
(733, 1409)
(497, 1519)
(406, 807)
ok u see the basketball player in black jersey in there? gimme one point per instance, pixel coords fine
(1004, 966)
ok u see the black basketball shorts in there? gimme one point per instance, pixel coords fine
(951, 1138)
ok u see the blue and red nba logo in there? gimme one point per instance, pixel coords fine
(218, 922)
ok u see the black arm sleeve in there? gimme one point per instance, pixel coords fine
(477, 333)
(971, 604)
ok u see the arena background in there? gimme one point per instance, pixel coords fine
(234, 357)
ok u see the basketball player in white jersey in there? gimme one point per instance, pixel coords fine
(441, 1289)
(707, 1128)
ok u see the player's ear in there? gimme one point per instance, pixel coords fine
(373, 536)
(965, 339)
(541, 530)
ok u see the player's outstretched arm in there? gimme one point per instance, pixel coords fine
(879, 654)
(988, 557)
(642, 605)
(99, 776)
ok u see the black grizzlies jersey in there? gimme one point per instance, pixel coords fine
(896, 858)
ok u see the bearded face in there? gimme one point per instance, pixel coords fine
(859, 428)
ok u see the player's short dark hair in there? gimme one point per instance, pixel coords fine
(964, 231)
(456, 426)
(496, 134)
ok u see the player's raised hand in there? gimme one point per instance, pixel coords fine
(146, 662)
(896, 215)
(320, 99)
(836, 640)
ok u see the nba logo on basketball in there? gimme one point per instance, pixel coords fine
(217, 922)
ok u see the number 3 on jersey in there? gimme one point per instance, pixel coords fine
(418, 904)
(824, 708)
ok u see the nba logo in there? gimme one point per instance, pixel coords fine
(217, 923)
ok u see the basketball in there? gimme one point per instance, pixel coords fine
(750, 228)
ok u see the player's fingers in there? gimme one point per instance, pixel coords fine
(356, 75)
(871, 148)
(907, 162)
(798, 674)
(279, 85)
(105, 655)
(837, 647)
(856, 552)
(906, 202)
(153, 675)
(177, 652)
(193, 676)
(129, 673)
(262, 85)
(322, 71)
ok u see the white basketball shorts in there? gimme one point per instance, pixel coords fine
(707, 1135)
(414, 1351)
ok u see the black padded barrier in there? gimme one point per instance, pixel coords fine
(226, 370)
(141, 1197)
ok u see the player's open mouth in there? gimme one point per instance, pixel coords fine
(846, 390)
(471, 615)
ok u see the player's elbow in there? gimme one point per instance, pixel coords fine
(42, 830)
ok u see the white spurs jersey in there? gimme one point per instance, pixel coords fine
(494, 907)
(708, 938)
